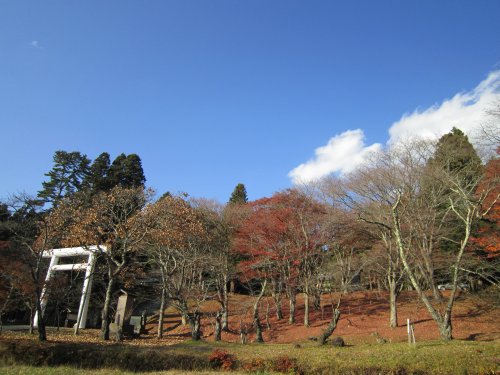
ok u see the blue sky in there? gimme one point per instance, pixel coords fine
(211, 93)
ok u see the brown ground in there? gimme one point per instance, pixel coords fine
(365, 317)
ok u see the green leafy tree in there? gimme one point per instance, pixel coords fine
(239, 195)
(65, 178)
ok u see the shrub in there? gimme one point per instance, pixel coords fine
(286, 364)
(220, 359)
(255, 365)
(338, 342)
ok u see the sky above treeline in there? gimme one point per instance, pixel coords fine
(213, 93)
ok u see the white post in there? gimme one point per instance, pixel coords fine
(87, 287)
(43, 299)
(408, 330)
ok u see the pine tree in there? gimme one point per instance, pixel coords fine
(66, 177)
(239, 195)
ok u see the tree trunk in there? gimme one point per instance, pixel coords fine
(31, 320)
(293, 301)
(225, 307)
(445, 328)
(317, 301)
(161, 314)
(256, 319)
(436, 293)
(331, 327)
(42, 333)
(268, 322)
(306, 308)
(105, 310)
(194, 322)
(218, 326)
(276, 294)
(393, 294)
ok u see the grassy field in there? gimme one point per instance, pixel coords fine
(457, 357)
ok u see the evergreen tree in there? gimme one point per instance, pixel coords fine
(133, 172)
(66, 177)
(116, 171)
(126, 171)
(98, 179)
(239, 195)
(454, 153)
(4, 218)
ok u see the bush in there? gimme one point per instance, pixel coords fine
(338, 342)
(255, 365)
(220, 359)
(286, 364)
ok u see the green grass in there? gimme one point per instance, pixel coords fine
(64, 370)
(456, 357)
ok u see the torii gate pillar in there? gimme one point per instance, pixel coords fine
(54, 255)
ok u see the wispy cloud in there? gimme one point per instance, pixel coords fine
(344, 152)
(341, 154)
(35, 44)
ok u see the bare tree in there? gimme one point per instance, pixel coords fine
(395, 183)
(33, 233)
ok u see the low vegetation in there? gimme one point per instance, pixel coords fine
(458, 357)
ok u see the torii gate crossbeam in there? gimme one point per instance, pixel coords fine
(54, 255)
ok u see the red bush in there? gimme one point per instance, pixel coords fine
(255, 365)
(220, 359)
(286, 364)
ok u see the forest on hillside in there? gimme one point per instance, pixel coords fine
(420, 216)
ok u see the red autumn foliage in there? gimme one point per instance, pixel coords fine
(487, 237)
(279, 231)
(220, 359)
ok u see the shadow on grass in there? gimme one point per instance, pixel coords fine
(92, 356)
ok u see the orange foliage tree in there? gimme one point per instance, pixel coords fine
(487, 237)
(280, 241)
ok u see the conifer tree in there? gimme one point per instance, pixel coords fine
(126, 171)
(66, 177)
(98, 177)
(133, 172)
(454, 153)
(239, 195)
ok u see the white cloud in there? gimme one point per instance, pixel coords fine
(341, 154)
(466, 111)
(35, 44)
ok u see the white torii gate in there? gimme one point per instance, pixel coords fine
(54, 256)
